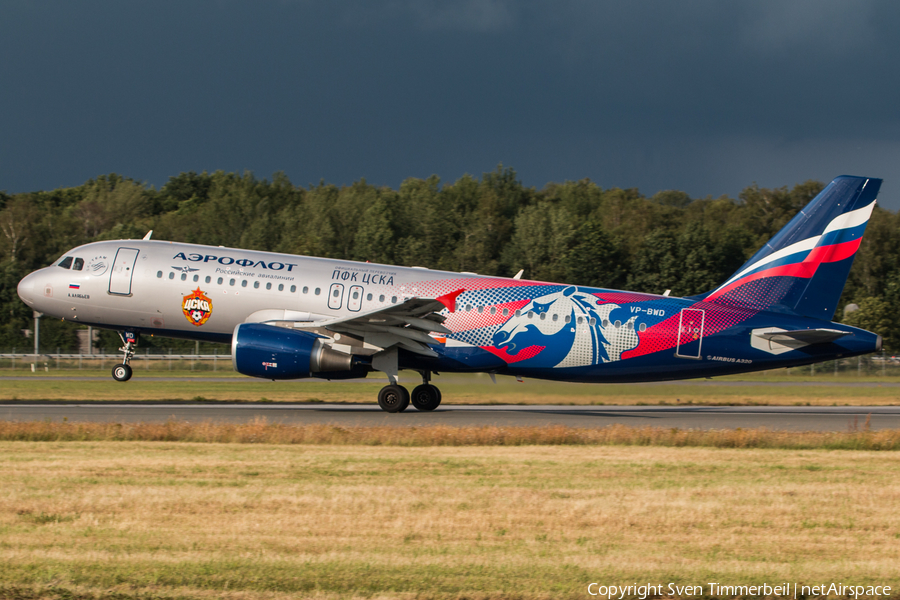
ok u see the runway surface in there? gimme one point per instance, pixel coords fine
(470, 379)
(796, 418)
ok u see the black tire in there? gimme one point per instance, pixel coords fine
(426, 397)
(393, 398)
(121, 372)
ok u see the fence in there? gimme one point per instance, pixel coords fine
(872, 365)
(145, 361)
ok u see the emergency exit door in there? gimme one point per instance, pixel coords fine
(122, 271)
(336, 296)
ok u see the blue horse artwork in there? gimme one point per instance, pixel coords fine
(573, 328)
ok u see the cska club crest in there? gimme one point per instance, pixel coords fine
(197, 307)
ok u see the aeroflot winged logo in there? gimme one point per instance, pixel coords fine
(197, 307)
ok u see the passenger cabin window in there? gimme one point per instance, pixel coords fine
(208, 279)
(159, 274)
(293, 288)
(305, 289)
(196, 278)
(184, 276)
(369, 297)
(231, 282)
(243, 283)
(255, 285)
(280, 287)
(643, 327)
(219, 281)
(171, 275)
(268, 286)
(318, 291)
(78, 264)
(65, 263)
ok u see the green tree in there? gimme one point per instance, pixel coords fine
(878, 316)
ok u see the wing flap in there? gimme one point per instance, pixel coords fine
(405, 324)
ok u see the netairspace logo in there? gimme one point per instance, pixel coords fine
(783, 589)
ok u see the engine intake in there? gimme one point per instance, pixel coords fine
(279, 353)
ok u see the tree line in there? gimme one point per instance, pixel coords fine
(574, 232)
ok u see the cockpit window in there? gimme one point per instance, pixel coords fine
(65, 263)
(78, 265)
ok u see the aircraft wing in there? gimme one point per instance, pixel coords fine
(804, 336)
(406, 324)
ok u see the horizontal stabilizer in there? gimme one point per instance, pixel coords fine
(776, 340)
(805, 336)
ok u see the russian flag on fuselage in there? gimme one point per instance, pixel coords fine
(804, 267)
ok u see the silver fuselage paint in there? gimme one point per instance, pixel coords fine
(164, 273)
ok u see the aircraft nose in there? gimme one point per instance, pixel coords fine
(25, 289)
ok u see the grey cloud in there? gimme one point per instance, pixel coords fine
(829, 27)
(466, 15)
(696, 95)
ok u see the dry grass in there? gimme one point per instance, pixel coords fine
(260, 431)
(251, 521)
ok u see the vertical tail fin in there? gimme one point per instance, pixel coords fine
(803, 268)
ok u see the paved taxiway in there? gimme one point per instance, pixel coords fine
(797, 418)
(469, 380)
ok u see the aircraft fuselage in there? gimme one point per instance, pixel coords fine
(501, 325)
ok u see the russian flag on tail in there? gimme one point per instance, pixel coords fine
(803, 269)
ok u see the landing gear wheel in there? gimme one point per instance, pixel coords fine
(393, 398)
(426, 397)
(121, 372)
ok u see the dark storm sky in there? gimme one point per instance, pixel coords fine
(705, 97)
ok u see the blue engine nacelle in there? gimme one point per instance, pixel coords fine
(279, 353)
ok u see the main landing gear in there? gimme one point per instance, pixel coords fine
(395, 398)
(122, 371)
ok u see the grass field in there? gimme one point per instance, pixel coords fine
(153, 520)
(259, 431)
(768, 388)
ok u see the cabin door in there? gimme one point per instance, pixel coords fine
(690, 333)
(122, 271)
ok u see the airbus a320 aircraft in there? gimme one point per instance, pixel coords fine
(290, 317)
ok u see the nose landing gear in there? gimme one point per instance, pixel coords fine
(123, 372)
